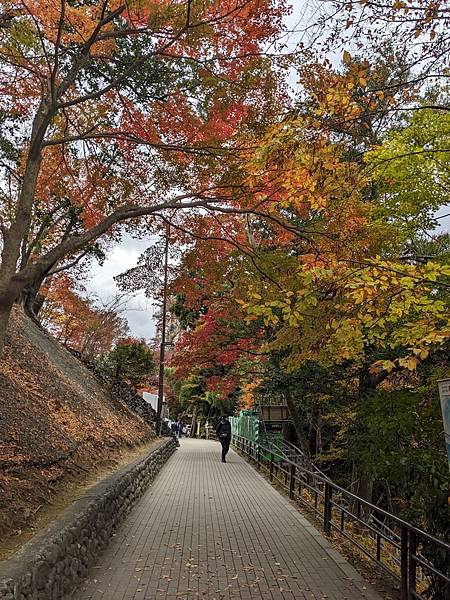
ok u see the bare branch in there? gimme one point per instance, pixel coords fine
(125, 213)
(69, 265)
(84, 54)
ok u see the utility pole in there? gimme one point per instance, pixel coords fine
(162, 347)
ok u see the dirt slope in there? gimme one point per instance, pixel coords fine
(58, 427)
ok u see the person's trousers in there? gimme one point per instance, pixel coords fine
(225, 447)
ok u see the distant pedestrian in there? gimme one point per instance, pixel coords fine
(180, 428)
(173, 428)
(223, 432)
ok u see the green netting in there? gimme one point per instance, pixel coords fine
(267, 439)
(248, 426)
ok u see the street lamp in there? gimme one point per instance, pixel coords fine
(163, 344)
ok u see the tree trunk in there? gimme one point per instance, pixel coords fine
(362, 486)
(319, 434)
(389, 504)
(365, 488)
(38, 304)
(29, 297)
(315, 442)
(193, 422)
(11, 285)
(362, 478)
(297, 422)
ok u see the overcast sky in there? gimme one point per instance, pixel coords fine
(139, 312)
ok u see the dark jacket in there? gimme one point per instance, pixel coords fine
(223, 427)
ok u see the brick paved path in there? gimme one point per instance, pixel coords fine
(218, 531)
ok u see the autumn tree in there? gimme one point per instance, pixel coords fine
(333, 294)
(322, 274)
(79, 321)
(125, 110)
(416, 32)
(131, 360)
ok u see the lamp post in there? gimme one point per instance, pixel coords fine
(163, 345)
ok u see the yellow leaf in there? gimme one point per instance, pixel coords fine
(410, 362)
(388, 365)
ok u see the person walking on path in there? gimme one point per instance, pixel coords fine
(223, 432)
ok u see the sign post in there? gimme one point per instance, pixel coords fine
(444, 395)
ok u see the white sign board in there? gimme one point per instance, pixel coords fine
(444, 395)
(152, 399)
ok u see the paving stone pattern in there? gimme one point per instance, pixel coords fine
(219, 531)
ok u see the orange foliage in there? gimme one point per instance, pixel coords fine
(77, 322)
(247, 398)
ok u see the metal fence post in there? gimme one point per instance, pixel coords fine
(292, 481)
(314, 485)
(412, 565)
(327, 508)
(404, 564)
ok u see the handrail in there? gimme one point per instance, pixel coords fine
(298, 452)
(408, 554)
(281, 445)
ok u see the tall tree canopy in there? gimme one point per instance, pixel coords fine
(332, 296)
(112, 111)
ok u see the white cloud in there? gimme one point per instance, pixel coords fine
(443, 215)
(139, 309)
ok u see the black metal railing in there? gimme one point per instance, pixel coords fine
(291, 452)
(417, 560)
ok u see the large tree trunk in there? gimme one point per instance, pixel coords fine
(362, 478)
(29, 297)
(11, 285)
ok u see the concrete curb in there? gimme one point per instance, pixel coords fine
(57, 559)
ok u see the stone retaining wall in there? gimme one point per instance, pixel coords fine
(119, 389)
(57, 559)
